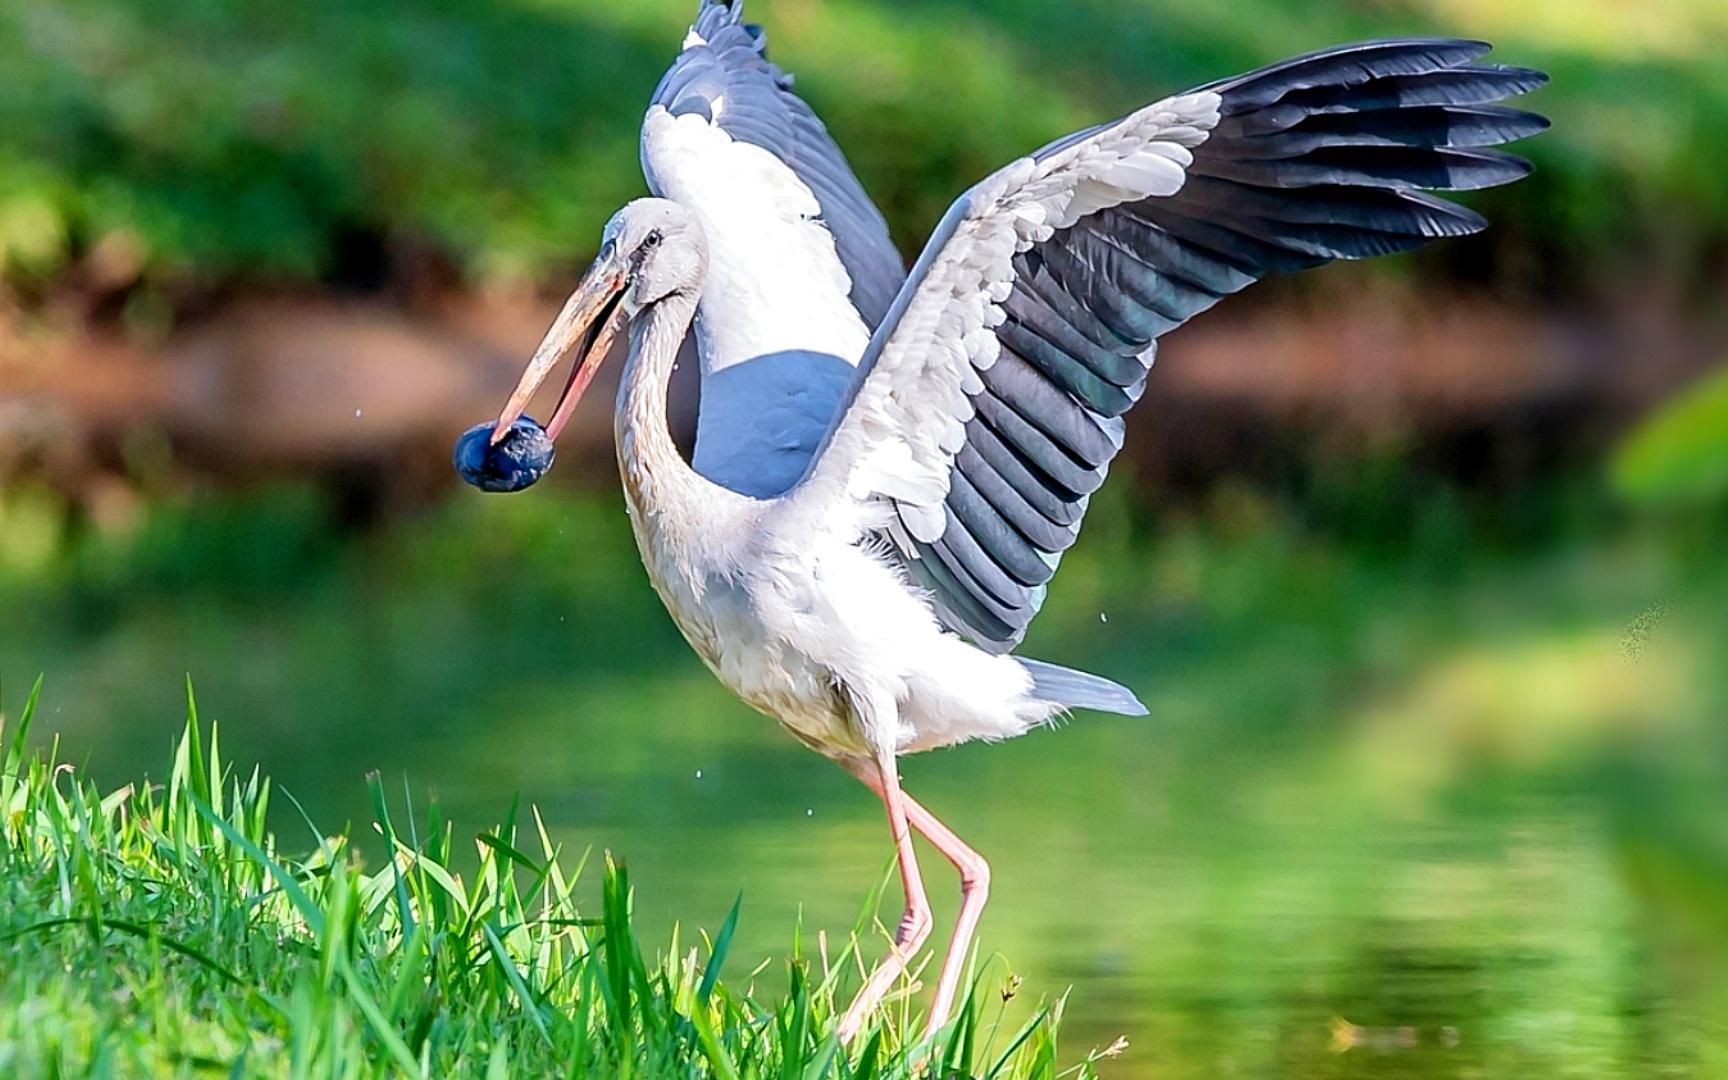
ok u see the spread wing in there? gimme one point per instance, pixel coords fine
(989, 402)
(723, 75)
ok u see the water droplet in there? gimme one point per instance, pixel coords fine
(809, 811)
(698, 774)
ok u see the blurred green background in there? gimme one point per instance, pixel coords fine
(1417, 563)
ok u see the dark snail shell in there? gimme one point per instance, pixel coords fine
(518, 460)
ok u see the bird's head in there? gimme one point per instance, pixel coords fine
(660, 248)
(652, 249)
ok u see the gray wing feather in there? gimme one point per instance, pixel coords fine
(1317, 158)
(728, 79)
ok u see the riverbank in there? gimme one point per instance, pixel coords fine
(162, 929)
(366, 393)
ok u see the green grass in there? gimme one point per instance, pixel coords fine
(162, 930)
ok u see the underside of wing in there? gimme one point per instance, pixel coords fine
(1321, 157)
(723, 75)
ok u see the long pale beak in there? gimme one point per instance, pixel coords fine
(592, 316)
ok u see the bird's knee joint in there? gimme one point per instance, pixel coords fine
(915, 925)
(975, 879)
(922, 923)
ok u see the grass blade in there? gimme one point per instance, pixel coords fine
(381, 807)
(297, 896)
(517, 985)
(717, 957)
(97, 924)
(15, 749)
(375, 1018)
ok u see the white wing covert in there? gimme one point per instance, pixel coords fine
(988, 404)
(724, 76)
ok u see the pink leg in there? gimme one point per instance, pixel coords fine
(974, 894)
(884, 779)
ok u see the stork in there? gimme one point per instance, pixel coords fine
(888, 466)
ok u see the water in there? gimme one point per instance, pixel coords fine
(1385, 820)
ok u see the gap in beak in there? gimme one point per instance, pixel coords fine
(596, 343)
(593, 338)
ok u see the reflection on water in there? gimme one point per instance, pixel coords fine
(1377, 824)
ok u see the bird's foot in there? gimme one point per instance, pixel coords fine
(881, 980)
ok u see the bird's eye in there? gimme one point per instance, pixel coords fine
(652, 240)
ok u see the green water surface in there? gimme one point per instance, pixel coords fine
(1408, 811)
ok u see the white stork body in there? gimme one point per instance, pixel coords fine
(787, 607)
(889, 467)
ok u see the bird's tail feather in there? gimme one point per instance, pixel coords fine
(1078, 690)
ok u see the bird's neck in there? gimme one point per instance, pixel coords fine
(668, 499)
(680, 518)
(646, 453)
